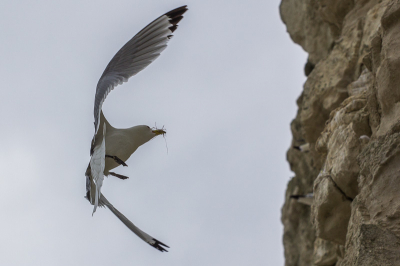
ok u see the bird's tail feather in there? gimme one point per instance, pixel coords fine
(145, 237)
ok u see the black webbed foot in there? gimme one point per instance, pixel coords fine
(118, 175)
(116, 159)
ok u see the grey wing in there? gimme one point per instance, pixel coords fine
(135, 55)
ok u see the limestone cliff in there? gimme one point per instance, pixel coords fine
(349, 114)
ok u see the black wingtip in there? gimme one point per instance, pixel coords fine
(175, 16)
(175, 20)
(179, 11)
(173, 28)
(158, 245)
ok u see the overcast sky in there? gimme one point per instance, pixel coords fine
(225, 89)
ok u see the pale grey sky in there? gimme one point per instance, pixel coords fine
(225, 89)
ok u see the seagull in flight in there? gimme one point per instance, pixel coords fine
(111, 146)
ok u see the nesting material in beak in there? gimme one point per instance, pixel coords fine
(159, 132)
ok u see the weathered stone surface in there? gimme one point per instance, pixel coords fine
(380, 180)
(377, 247)
(349, 114)
(388, 64)
(341, 141)
(325, 252)
(362, 85)
(369, 244)
(331, 210)
(307, 28)
(297, 233)
(333, 12)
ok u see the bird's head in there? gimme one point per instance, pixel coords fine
(145, 133)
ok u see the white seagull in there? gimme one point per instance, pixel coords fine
(303, 148)
(111, 146)
(307, 199)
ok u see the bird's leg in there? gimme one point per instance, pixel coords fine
(116, 159)
(119, 176)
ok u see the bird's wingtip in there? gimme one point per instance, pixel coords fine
(175, 16)
(159, 245)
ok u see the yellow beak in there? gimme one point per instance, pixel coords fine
(159, 132)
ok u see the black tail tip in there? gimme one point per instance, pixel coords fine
(159, 245)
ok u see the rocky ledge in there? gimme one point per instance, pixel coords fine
(349, 120)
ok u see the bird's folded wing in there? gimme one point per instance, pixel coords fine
(97, 164)
(135, 55)
(145, 237)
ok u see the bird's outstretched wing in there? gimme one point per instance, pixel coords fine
(145, 237)
(135, 55)
(97, 164)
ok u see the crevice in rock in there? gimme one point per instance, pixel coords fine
(338, 188)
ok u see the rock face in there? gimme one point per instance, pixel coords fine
(349, 114)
